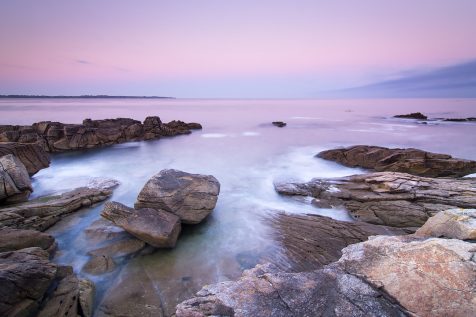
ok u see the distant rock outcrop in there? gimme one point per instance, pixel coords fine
(414, 115)
(59, 137)
(279, 124)
(191, 197)
(387, 198)
(412, 161)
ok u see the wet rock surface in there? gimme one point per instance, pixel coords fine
(414, 115)
(412, 161)
(433, 277)
(60, 137)
(387, 198)
(99, 264)
(451, 223)
(15, 184)
(311, 241)
(156, 227)
(16, 239)
(31, 155)
(40, 214)
(191, 197)
(263, 291)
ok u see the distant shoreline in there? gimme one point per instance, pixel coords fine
(82, 97)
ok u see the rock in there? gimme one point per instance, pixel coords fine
(460, 119)
(414, 115)
(451, 223)
(265, 292)
(31, 155)
(132, 294)
(412, 161)
(156, 227)
(86, 297)
(42, 213)
(192, 197)
(59, 137)
(312, 241)
(433, 277)
(65, 299)
(99, 264)
(16, 239)
(386, 198)
(25, 276)
(279, 124)
(102, 183)
(15, 184)
(120, 247)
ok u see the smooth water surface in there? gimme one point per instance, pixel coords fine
(240, 147)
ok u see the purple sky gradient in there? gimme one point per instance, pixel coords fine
(216, 48)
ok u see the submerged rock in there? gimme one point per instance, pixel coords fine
(386, 198)
(59, 137)
(414, 115)
(412, 161)
(15, 184)
(31, 155)
(192, 197)
(99, 264)
(470, 119)
(42, 213)
(25, 276)
(434, 277)
(16, 239)
(279, 124)
(263, 291)
(156, 227)
(451, 223)
(312, 241)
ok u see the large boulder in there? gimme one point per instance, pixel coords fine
(16, 239)
(452, 223)
(387, 198)
(32, 156)
(192, 197)
(25, 276)
(433, 277)
(312, 241)
(15, 184)
(42, 213)
(412, 161)
(264, 291)
(156, 227)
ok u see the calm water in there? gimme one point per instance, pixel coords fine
(240, 147)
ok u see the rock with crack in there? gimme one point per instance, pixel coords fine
(25, 276)
(412, 161)
(264, 291)
(387, 198)
(15, 184)
(156, 227)
(31, 155)
(42, 213)
(16, 239)
(452, 223)
(192, 197)
(312, 241)
(432, 277)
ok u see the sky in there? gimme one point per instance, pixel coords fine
(226, 48)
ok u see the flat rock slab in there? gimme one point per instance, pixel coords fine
(433, 277)
(16, 239)
(452, 223)
(412, 161)
(192, 197)
(15, 184)
(387, 198)
(25, 276)
(42, 213)
(311, 241)
(263, 291)
(158, 228)
(31, 155)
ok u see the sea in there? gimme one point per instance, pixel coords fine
(245, 152)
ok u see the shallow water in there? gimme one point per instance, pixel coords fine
(240, 147)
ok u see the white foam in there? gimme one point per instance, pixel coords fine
(250, 133)
(213, 135)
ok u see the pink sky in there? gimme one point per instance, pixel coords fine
(225, 48)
